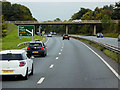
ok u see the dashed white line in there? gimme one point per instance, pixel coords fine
(59, 53)
(41, 80)
(61, 50)
(56, 57)
(62, 47)
(51, 66)
(114, 72)
(63, 44)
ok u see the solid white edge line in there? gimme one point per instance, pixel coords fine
(41, 80)
(116, 74)
(51, 66)
(63, 44)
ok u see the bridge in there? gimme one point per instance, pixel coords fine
(66, 23)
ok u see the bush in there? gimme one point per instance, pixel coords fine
(4, 33)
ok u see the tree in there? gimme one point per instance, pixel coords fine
(6, 9)
(107, 23)
(79, 14)
(16, 12)
(4, 27)
(116, 13)
(57, 19)
(87, 16)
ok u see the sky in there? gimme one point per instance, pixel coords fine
(63, 0)
(44, 10)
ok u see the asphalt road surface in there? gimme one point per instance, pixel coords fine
(69, 64)
(107, 40)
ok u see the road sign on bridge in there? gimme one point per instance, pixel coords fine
(26, 30)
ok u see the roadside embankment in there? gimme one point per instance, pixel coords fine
(12, 40)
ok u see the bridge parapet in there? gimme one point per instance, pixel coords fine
(21, 22)
(59, 22)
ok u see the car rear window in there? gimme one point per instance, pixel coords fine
(11, 57)
(35, 44)
(65, 35)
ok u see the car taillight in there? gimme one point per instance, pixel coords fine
(28, 48)
(42, 47)
(22, 64)
(9, 53)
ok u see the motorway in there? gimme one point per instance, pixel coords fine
(106, 40)
(69, 64)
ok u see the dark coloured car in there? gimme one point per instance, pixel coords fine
(119, 38)
(99, 35)
(36, 48)
(65, 36)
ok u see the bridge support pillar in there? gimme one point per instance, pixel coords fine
(36, 28)
(66, 29)
(94, 33)
(39, 30)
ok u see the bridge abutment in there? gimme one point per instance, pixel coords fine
(94, 32)
(39, 29)
(66, 26)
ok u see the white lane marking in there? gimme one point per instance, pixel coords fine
(62, 47)
(61, 50)
(41, 80)
(62, 43)
(56, 57)
(59, 53)
(47, 41)
(116, 74)
(51, 66)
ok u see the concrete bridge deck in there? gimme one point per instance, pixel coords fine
(66, 23)
(83, 22)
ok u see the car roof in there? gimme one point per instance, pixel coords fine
(35, 42)
(12, 51)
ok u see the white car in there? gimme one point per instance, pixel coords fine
(49, 35)
(15, 62)
(79, 20)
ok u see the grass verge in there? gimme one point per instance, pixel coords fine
(113, 35)
(12, 40)
(107, 52)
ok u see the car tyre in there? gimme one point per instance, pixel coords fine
(32, 70)
(44, 55)
(26, 76)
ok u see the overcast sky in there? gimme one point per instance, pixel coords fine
(63, 0)
(44, 10)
